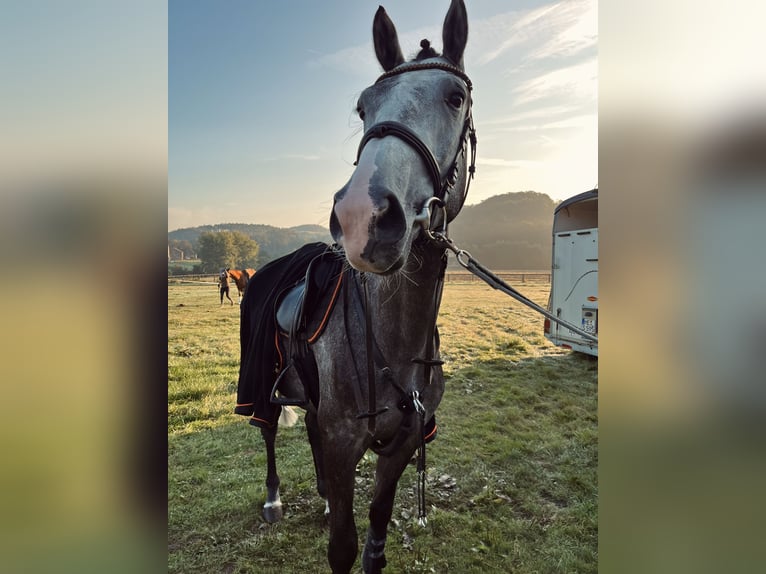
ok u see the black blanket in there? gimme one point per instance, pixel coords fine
(259, 360)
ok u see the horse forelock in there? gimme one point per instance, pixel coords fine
(426, 51)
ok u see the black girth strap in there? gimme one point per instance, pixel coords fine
(404, 133)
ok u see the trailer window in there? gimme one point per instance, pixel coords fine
(582, 215)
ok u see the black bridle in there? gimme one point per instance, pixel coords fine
(397, 129)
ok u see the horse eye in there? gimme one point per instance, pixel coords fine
(456, 99)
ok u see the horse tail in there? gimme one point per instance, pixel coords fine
(288, 417)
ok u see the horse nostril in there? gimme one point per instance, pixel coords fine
(382, 204)
(389, 221)
(335, 231)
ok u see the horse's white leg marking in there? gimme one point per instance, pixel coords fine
(274, 503)
(326, 507)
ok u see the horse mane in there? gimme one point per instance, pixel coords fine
(426, 52)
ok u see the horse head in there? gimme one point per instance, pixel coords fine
(417, 121)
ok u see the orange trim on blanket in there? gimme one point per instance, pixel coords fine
(432, 433)
(255, 418)
(245, 404)
(319, 330)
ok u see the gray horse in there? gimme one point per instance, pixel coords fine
(377, 360)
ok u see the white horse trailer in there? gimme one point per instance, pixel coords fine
(574, 272)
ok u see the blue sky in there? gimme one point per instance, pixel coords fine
(261, 100)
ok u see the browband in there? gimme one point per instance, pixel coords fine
(412, 67)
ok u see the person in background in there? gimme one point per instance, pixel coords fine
(223, 283)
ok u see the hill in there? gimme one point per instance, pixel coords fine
(274, 241)
(508, 231)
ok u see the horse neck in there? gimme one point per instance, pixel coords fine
(405, 303)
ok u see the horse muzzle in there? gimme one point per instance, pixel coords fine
(371, 226)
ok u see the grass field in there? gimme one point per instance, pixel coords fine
(512, 476)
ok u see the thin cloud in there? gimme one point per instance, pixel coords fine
(292, 156)
(574, 27)
(530, 115)
(360, 59)
(506, 31)
(568, 123)
(517, 163)
(573, 82)
(555, 30)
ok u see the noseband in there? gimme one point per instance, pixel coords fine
(389, 128)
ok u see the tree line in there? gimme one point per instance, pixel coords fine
(220, 250)
(273, 242)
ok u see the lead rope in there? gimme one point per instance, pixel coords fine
(466, 260)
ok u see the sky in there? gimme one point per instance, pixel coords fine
(261, 99)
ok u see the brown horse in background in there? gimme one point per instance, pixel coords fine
(241, 277)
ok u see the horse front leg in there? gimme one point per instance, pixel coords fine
(387, 474)
(312, 429)
(339, 466)
(272, 509)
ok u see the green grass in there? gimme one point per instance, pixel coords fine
(512, 476)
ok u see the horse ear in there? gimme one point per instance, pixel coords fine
(455, 32)
(386, 41)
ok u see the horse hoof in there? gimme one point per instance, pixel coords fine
(373, 565)
(272, 514)
(373, 556)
